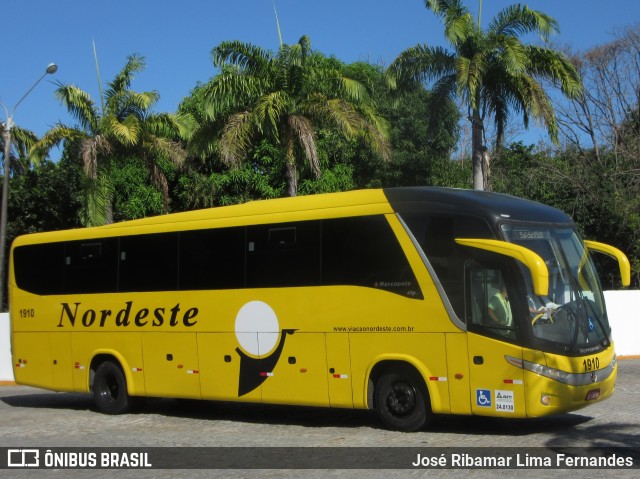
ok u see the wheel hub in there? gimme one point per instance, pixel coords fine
(402, 399)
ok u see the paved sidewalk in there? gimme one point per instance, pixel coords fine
(36, 418)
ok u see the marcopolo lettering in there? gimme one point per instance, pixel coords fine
(126, 316)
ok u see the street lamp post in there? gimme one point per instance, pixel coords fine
(51, 69)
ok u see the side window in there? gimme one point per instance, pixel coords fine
(149, 262)
(212, 259)
(283, 255)
(364, 251)
(489, 307)
(436, 235)
(91, 266)
(39, 268)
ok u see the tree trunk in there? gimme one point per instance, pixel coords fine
(477, 150)
(292, 179)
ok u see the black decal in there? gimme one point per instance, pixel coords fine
(191, 313)
(103, 318)
(88, 318)
(174, 314)
(122, 318)
(251, 368)
(159, 317)
(70, 315)
(140, 315)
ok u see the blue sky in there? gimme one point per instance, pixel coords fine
(176, 38)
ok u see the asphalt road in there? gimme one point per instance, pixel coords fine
(42, 419)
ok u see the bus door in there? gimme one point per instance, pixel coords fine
(496, 385)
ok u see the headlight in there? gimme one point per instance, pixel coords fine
(564, 377)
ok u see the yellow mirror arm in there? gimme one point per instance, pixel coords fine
(623, 261)
(536, 265)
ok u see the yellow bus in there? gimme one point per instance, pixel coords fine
(409, 301)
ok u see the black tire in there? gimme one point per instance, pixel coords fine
(110, 389)
(401, 401)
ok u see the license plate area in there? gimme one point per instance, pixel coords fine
(593, 395)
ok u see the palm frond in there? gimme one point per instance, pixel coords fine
(443, 8)
(129, 102)
(23, 141)
(126, 132)
(235, 137)
(91, 148)
(512, 54)
(79, 104)
(303, 131)
(122, 81)
(233, 90)
(470, 74)
(96, 201)
(535, 99)
(170, 126)
(248, 57)
(335, 112)
(167, 149)
(517, 20)
(422, 63)
(53, 138)
(457, 20)
(554, 66)
(353, 90)
(376, 132)
(269, 110)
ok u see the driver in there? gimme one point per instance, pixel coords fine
(499, 308)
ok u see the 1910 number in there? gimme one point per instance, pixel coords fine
(27, 313)
(591, 364)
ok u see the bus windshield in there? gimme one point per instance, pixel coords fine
(572, 317)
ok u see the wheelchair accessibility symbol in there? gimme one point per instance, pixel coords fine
(483, 397)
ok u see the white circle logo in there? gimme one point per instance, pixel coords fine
(257, 328)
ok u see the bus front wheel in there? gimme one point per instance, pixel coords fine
(110, 389)
(401, 401)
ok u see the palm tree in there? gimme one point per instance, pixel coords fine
(283, 98)
(21, 142)
(492, 71)
(123, 126)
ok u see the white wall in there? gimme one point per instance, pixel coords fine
(6, 370)
(623, 308)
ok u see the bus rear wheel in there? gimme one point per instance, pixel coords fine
(401, 401)
(110, 389)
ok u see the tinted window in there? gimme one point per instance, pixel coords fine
(436, 235)
(149, 262)
(489, 304)
(91, 266)
(212, 259)
(364, 251)
(39, 268)
(286, 254)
